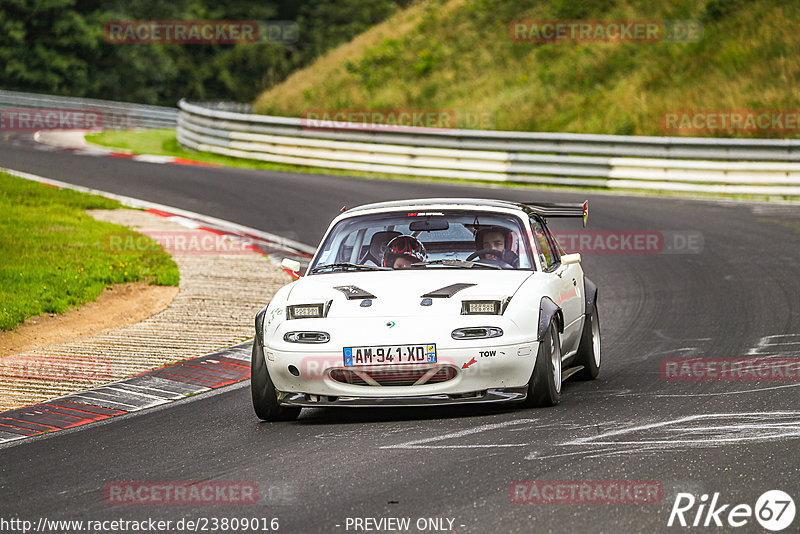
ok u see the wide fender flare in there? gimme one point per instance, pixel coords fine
(260, 326)
(549, 311)
(590, 290)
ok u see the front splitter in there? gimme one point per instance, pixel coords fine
(493, 395)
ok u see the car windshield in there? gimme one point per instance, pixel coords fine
(425, 240)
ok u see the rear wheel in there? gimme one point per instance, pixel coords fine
(265, 398)
(544, 386)
(589, 350)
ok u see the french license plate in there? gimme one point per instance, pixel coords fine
(390, 354)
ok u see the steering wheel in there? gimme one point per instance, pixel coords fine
(498, 254)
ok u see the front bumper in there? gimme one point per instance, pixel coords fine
(492, 395)
(492, 374)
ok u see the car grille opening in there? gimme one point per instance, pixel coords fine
(397, 375)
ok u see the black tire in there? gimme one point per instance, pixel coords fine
(544, 386)
(265, 399)
(589, 349)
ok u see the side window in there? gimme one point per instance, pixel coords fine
(554, 246)
(543, 244)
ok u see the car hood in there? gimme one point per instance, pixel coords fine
(395, 293)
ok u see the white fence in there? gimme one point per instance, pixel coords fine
(734, 166)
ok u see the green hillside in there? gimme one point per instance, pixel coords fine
(458, 55)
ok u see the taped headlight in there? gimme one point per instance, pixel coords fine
(480, 307)
(305, 311)
(477, 332)
(306, 337)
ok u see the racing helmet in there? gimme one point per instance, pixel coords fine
(404, 246)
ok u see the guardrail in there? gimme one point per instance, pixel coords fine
(735, 166)
(114, 115)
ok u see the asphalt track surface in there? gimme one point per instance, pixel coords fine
(738, 438)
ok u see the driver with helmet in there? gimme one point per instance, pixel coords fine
(402, 251)
(495, 241)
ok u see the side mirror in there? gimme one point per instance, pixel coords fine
(569, 259)
(292, 266)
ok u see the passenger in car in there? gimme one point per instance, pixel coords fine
(402, 262)
(402, 251)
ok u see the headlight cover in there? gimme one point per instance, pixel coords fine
(481, 307)
(307, 311)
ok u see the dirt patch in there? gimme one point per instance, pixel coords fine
(118, 306)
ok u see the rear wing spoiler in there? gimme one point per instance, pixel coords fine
(546, 209)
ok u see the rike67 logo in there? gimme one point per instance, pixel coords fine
(774, 510)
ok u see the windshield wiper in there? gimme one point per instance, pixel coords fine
(455, 263)
(348, 265)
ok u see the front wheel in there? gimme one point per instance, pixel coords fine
(265, 398)
(544, 386)
(589, 348)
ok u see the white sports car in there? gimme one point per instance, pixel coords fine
(429, 302)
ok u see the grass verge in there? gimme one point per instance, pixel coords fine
(55, 256)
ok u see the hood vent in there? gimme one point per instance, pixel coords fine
(445, 292)
(355, 293)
